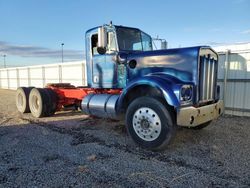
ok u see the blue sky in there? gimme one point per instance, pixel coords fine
(31, 31)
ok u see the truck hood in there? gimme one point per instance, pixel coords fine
(181, 63)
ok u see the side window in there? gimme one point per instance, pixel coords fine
(137, 46)
(111, 46)
(94, 41)
(146, 42)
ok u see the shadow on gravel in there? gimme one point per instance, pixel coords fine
(100, 148)
(66, 113)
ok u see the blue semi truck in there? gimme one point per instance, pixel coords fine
(154, 91)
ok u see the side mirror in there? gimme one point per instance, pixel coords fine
(102, 40)
(164, 44)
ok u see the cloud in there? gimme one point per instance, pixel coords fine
(246, 31)
(40, 52)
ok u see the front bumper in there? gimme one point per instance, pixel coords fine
(191, 116)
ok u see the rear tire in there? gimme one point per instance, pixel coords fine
(52, 102)
(150, 123)
(22, 99)
(40, 103)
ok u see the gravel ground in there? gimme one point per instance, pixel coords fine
(74, 150)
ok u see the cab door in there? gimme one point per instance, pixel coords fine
(104, 66)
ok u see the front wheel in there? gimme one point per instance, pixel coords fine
(150, 123)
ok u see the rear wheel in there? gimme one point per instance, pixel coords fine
(52, 103)
(36, 103)
(42, 102)
(22, 99)
(150, 123)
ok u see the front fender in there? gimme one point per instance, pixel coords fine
(168, 86)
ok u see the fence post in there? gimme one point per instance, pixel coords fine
(43, 75)
(83, 75)
(8, 78)
(29, 81)
(60, 73)
(227, 61)
(17, 78)
(0, 78)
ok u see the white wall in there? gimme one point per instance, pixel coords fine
(39, 76)
(236, 97)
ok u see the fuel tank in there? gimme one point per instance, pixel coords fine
(100, 105)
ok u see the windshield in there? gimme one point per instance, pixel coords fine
(133, 40)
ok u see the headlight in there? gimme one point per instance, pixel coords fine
(186, 93)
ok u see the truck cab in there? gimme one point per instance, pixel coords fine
(182, 80)
(106, 68)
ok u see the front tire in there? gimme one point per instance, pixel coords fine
(150, 123)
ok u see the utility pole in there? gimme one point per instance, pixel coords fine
(62, 51)
(4, 62)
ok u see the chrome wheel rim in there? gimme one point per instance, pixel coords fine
(20, 100)
(35, 103)
(147, 124)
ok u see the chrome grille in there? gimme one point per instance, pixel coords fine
(207, 78)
